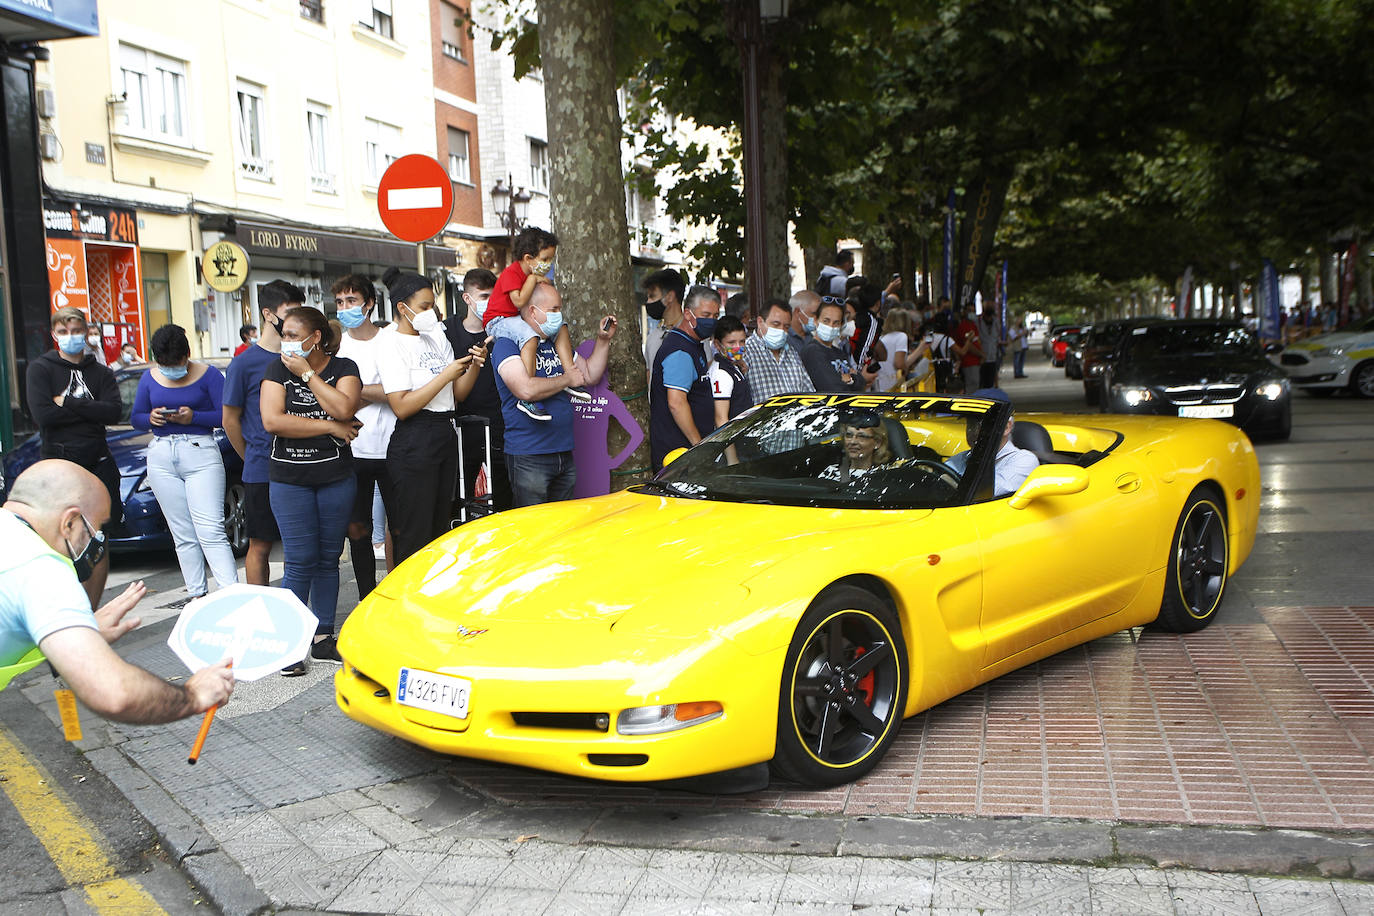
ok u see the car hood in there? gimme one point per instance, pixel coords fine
(1344, 339)
(599, 559)
(130, 450)
(1168, 373)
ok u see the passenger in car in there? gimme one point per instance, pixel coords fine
(865, 447)
(1014, 464)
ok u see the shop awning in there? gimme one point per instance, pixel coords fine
(38, 20)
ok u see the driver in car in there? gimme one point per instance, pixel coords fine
(1013, 464)
(865, 447)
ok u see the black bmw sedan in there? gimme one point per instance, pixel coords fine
(1199, 368)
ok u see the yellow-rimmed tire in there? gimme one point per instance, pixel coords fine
(1199, 562)
(843, 691)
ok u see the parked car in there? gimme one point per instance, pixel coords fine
(144, 527)
(1064, 338)
(1097, 348)
(1327, 363)
(1073, 354)
(811, 654)
(1199, 368)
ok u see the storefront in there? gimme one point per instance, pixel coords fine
(94, 265)
(309, 257)
(23, 278)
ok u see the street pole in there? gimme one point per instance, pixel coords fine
(755, 245)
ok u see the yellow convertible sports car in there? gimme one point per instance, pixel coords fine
(792, 588)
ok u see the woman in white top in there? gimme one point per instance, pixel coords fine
(901, 357)
(422, 381)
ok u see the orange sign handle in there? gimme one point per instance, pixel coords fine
(203, 733)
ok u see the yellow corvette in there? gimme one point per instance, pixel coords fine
(792, 588)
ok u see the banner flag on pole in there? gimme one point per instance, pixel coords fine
(1347, 285)
(948, 288)
(983, 212)
(1185, 295)
(1002, 299)
(1269, 302)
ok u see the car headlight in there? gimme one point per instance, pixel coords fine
(1329, 351)
(1272, 390)
(1132, 395)
(1077, 354)
(655, 720)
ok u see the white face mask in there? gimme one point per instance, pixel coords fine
(827, 333)
(423, 322)
(849, 328)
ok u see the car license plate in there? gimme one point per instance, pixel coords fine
(1208, 411)
(435, 692)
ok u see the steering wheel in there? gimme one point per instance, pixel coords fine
(940, 469)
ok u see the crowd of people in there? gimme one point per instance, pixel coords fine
(339, 421)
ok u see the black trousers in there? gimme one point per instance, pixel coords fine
(423, 461)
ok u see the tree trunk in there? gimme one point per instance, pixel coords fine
(577, 48)
(814, 257)
(776, 198)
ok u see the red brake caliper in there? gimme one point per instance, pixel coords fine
(866, 682)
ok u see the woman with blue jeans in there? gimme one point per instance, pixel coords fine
(308, 402)
(180, 401)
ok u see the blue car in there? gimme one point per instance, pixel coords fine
(143, 527)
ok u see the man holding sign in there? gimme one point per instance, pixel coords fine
(49, 541)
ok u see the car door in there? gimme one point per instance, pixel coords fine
(1063, 561)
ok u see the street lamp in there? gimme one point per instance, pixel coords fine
(751, 15)
(512, 209)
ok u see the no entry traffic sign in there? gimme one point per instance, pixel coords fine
(415, 198)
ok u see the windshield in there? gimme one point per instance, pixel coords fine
(1165, 341)
(841, 451)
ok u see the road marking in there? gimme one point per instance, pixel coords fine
(67, 834)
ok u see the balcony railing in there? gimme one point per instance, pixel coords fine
(254, 167)
(322, 183)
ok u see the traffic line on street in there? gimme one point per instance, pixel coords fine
(69, 837)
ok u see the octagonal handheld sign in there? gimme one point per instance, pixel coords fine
(415, 198)
(262, 629)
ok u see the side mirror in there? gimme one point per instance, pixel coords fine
(672, 456)
(1050, 480)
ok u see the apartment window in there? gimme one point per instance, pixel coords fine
(313, 10)
(539, 166)
(252, 125)
(451, 30)
(376, 15)
(381, 146)
(459, 165)
(321, 160)
(154, 93)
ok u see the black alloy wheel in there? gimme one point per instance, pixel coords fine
(844, 688)
(235, 517)
(1199, 563)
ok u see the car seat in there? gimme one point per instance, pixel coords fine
(1036, 439)
(897, 439)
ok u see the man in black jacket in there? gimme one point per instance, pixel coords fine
(72, 398)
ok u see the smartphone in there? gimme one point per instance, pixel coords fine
(607, 322)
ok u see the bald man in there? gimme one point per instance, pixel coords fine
(49, 540)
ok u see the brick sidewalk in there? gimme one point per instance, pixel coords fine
(1268, 723)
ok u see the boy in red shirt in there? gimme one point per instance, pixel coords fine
(532, 257)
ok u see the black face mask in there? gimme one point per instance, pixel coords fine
(655, 308)
(90, 556)
(277, 324)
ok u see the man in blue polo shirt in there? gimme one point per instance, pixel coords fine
(243, 423)
(539, 452)
(681, 405)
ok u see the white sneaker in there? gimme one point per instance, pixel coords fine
(379, 551)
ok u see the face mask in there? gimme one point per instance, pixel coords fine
(351, 318)
(294, 348)
(71, 344)
(655, 309)
(827, 333)
(809, 325)
(849, 329)
(423, 322)
(93, 340)
(173, 373)
(276, 324)
(552, 322)
(735, 353)
(90, 556)
(478, 306)
(543, 267)
(705, 328)
(775, 338)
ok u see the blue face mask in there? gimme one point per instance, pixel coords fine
(810, 325)
(775, 338)
(827, 333)
(71, 344)
(552, 322)
(706, 327)
(351, 318)
(173, 373)
(294, 348)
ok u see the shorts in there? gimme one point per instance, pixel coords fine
(512, 328)
(258, 519)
